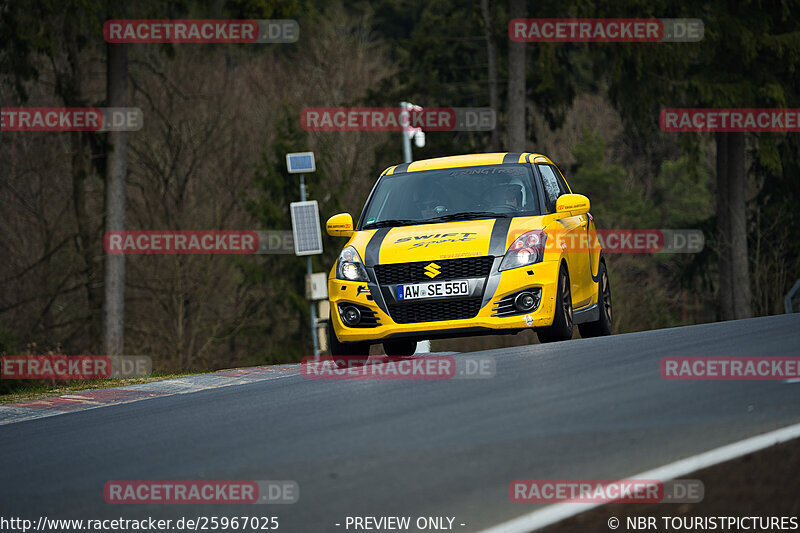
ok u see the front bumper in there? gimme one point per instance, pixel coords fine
(499, 284)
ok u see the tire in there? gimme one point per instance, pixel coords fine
(345, 348)
(400, 348)
(602, 326)
(561, 329)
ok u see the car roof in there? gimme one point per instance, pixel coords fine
(470, 160)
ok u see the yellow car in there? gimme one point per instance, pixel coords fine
(467, 245)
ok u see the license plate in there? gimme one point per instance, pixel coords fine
(435, 289)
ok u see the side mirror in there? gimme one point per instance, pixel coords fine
(572, 205)
(340, 225)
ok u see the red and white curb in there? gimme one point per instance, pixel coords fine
(92, 399)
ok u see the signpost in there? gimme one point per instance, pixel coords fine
(305, 225)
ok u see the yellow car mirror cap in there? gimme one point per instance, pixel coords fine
(572, 205)
(340, 225)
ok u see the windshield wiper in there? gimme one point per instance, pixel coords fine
(397, 222)
(471, 214)
(467, 215)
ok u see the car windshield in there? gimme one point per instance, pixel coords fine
(452, 194)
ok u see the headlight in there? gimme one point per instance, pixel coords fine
(527, 249)
(349, 266)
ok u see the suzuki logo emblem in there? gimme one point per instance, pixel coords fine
(432, 270)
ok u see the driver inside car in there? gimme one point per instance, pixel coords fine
(430, 202)
(509, 195)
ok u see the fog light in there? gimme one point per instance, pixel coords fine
(524, 302)
(351, 315)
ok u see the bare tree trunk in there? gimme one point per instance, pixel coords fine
(69, 88)
(116, 170)
(725, 291)
(86, 239)
(740, 270)
(516, 84)
(491, 50)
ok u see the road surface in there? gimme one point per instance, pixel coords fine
(587, 408)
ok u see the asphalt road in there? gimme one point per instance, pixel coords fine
(594, 408)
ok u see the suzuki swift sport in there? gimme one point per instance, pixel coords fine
(467, 245)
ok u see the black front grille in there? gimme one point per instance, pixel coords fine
(435, 311)
(469, 267)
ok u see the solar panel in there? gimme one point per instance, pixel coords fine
(306, 228)
(300, 162)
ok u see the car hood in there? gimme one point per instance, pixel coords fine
(448, 240)
(431, 242)
(484, 237)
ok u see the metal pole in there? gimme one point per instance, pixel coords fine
(406, 138)
(312, 309)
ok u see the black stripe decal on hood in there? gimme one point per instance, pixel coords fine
(375, 291)
(492, 283)
(497, 244)
(497, 248)
(403, 167)
(371, 255)
(373, 248)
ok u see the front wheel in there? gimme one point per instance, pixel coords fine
(402, 348)
(602, 326)
(561, 329)
(345, 348)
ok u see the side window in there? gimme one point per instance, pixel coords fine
(552, 187)
(562, 185)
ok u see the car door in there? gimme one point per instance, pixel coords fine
(575, 236)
